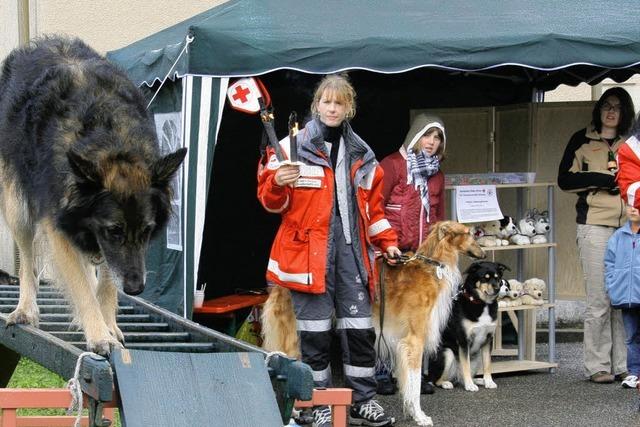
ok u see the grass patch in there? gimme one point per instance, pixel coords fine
(29, 374)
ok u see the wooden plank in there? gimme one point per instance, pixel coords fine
(230, 303)
(504, 352)
(519, 365)
(517, 247)
(184, 389)
(523, 185)
(526, 307)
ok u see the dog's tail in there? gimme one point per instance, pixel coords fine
(279, 323)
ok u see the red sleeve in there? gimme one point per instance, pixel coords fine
(273, 197)
(380, 231)
(390, 177)
(442, 199)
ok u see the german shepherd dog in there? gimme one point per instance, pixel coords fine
(469, 331)
(79, 160)
(417, 302)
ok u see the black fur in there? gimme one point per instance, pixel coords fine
(68, 117)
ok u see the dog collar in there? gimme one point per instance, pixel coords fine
(471, 298)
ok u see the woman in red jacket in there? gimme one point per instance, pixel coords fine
(332, 218)
(413, 188)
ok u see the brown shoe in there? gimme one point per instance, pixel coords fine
(621, 376)
(602, 377)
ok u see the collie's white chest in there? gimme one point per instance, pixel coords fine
(478, 332)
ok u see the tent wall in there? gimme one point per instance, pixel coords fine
(165, 266)
(188, 118)
(528, 137)
(203, 103)
(553, 125)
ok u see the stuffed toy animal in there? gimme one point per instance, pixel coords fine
(532, 291)
(526, 230)
(487, 234)
(512, 294)
(507, 229)
(542, 226)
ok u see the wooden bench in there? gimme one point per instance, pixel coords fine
(228, 305)
(338, 398)
(12, 399)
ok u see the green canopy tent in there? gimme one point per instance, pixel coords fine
(417, 52)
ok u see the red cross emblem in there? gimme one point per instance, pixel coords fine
(244, 93)
(241, 94)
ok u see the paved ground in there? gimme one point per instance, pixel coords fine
(563, 398)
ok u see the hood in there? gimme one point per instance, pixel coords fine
(420, 124)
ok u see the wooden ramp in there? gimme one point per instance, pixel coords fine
(168, 389)
(176, 358)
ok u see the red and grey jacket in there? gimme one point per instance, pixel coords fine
(628, 177)
(300, 250)
(402, 205)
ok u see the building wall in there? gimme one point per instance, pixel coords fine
(584, 92)
(105, 25)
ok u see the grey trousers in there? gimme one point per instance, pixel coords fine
(604, 336)
(346, 296)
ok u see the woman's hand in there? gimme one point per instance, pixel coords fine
(287, 174)
(392, 254)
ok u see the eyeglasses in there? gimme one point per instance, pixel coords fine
(606, 107)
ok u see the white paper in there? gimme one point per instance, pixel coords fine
(477, 203)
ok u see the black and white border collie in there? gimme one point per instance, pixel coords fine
(469, 330)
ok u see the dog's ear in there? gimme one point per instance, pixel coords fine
(444, 228)
(164, 168)
(502, 268)
(473, 268)
(83, 168)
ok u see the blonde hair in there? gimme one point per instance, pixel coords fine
(340, 87)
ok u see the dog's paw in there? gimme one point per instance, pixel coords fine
(490, 384)
(478, 381)
(25, 316)
(103, 346)
(447, 385)
(471, 387)
(422, 419)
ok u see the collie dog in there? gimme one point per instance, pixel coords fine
(417, 303)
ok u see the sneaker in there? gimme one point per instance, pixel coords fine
(321, 416)
(426, 386)
(631, 381)
(369, 413)
(602, 377)
(621, 376)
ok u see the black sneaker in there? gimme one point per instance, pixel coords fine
(369, 413)
(321, 416)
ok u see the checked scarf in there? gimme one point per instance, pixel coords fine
(420, 167)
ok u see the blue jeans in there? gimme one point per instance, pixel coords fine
(631, 320)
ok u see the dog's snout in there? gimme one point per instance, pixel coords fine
(133, 283)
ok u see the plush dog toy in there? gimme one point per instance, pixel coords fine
(532, 291)
(542, 226)
(526, 230)
(487, 234)
(507, 229)
(512, 291)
